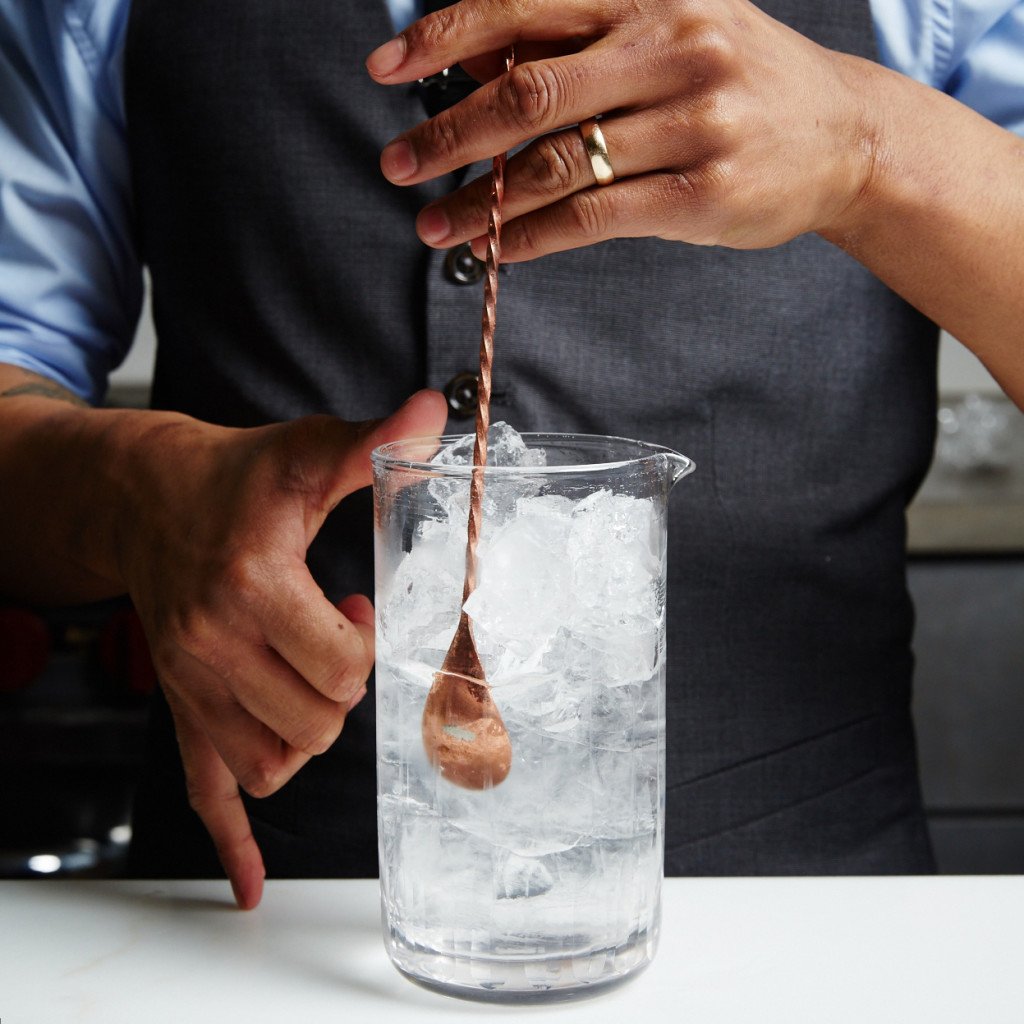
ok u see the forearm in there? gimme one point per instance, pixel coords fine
(941, 216)
(66, 481)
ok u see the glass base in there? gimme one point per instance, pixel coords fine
(521, 980)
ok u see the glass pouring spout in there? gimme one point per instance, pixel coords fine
(676, 467)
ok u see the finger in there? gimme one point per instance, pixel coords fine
(474, 27)
(634, 208)
(324, 653)
(287, 657)
(213, 795)
(549, 169)
(358, 609)
(305, 704)
(321, 650)
(557, 165)
(530, 100)
(490, 65)
(259, 759)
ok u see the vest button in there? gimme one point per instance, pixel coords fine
(461, 392)
(461, 266)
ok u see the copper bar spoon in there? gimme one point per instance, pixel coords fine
(463, 732)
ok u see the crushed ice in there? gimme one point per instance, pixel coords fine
(566, 588)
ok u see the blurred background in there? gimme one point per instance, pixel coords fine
(74, 683)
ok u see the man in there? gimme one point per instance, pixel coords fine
(287, 281)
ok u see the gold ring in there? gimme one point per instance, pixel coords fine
(597, 150)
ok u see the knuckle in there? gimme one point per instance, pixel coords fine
(716, 186)
(441, 137)
(681, 189)
(232, 845)
(521, 11)
(523, 236)
(343, 680)
(261, 777)
(198, 798)
(345, 670)
(318, 735)
(552, 166)
(719, 46)
(435, 30)
(199, 628)
(591, 215)
(536, 92)
(704, 195)
(191, 630)
(718, 119)
(468, 218)
(711, 53)
(166, 653)
(245, 581)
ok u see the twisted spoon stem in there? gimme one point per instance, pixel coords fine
(488, 323)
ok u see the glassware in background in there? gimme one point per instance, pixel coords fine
(974, 435)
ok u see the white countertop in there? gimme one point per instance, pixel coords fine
(757, 951)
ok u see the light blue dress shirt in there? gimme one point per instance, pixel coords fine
(70, 280)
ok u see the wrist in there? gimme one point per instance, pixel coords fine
(863, 142)
(82, 476)
(145, 461)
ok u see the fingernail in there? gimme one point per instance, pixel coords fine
(433, 225)
(387, 58)
(479, 247)
(398, 161)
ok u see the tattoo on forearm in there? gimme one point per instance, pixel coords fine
(44, 390)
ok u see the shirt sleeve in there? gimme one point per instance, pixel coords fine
(986, 62)
(70, 280)
(971, 49)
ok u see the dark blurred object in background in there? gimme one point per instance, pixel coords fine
(74, 685)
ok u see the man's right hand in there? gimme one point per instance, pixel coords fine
(208, 533)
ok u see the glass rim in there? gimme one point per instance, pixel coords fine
(386, 455)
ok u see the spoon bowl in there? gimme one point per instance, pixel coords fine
(463, 733)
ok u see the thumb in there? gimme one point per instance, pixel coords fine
(422, 415)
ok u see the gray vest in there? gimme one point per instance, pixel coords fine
(288, 280)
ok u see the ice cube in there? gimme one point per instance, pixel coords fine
(517, 877)
(421, 608)
(614, 653)
(520, 601)
(616, 592)
(612, 552)
(558, 705)
(505, 447)
(568, 590)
